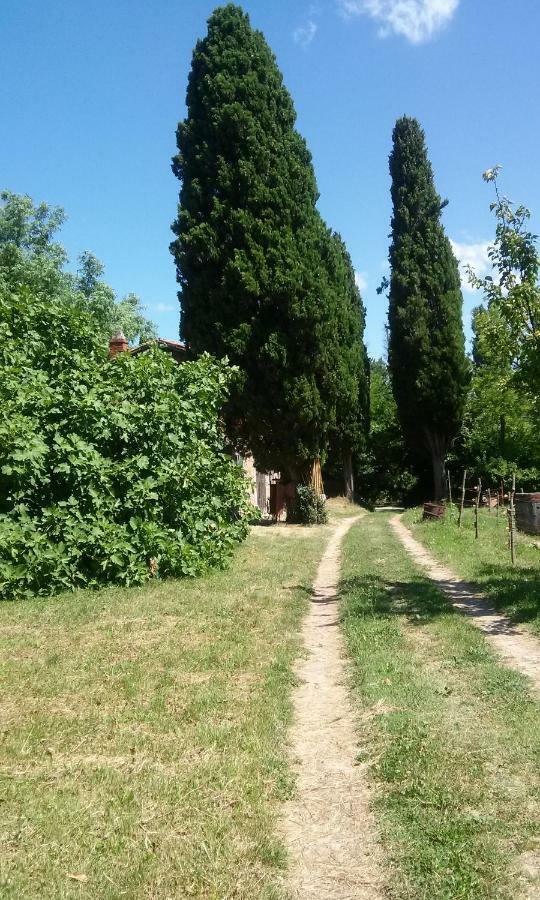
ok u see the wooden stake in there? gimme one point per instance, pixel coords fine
(449, 486)
(476, 505)
(511, 527)
(462, 497)
(489, 499)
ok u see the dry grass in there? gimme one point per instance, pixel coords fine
(143, 732)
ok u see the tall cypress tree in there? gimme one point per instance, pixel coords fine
(426, 346)
(251, 280)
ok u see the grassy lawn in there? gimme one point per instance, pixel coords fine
(514, 589)
(450, 738)
(143, 731)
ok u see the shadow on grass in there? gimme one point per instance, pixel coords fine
(372, 596)
(515, 591)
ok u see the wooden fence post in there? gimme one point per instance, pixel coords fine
(476, 505)
(511, 527)
(462, 497)
(449, 479)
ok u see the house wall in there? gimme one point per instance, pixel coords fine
(259, 492)
(250, 472)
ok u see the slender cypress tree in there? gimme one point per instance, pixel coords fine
(252, 285)
(426, 343)
(351, 387)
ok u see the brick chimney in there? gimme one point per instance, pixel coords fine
(118, 343)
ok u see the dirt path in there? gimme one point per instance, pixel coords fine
(328, 827)
(518, 649)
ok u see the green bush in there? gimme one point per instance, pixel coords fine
(110, 470)
(309, 507)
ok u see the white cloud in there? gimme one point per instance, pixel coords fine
(474, 255)
(415, 20)
(305, 33)
(361, 280)
(164, 307)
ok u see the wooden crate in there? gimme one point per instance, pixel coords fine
(528, 513)
(434, 510)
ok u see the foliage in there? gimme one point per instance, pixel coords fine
(500, 433)
(30, 256)
(309, 507)
(426, 347)
(112, 470)
(255, 262)
(499, 436)
(109, 313)
(512, 331)
(350, 387)
(385, 469)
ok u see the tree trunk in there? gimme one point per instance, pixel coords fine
(437, 446)
(439, 475)
(315, 478)
(348, 475)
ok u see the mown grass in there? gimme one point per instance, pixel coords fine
(143, 731)
(513, 589)
(450, 738)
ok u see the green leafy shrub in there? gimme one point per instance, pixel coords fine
(110, 470)
(309, 507)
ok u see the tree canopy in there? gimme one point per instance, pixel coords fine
(509, 325)
(31, 257)
(350, 389)
(385, 469)
(499, 436)
(254, 261)
(426, 341)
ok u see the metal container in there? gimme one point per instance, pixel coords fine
(528, 512)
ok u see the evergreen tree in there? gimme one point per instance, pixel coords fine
(253, 285)
(385, 467)
(351, 364)
(426, 342)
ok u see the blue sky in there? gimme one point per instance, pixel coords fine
(90, 94)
